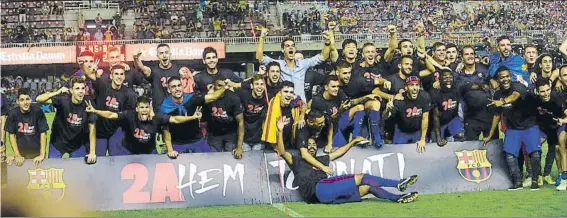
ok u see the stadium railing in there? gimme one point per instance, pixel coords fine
(459, 38)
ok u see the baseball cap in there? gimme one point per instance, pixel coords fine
(412, 79)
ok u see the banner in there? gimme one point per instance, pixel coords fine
(101, 51)
(209, 179)
(456, 167)
(38, 55)
(179, 51)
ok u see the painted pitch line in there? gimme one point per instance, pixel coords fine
(289, 211)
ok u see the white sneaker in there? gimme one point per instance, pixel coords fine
(562, 186)
(527, 182)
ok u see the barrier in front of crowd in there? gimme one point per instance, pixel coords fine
(207, 179)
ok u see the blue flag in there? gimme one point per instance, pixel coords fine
(515, 63)
(168, 105)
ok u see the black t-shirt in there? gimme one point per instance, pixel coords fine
(70, 128)
(140, 136)
(204, 80)
(286, 111)
(479, 76)
(447, 101)
(521, 114)
(392, 66)
(110, 99)
(329, 107)
(305, 133)
(313, 81)
(398, 85)
(4, 106)
(357, 88)
(221, 114)
(254, 115)
(132, 79)
(27, 127)
(475, 104)
(408, 113)
(158, 79)
(307, 176)
(547, 111)
(378, 70)
(188, 132)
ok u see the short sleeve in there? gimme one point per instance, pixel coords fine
(91, 118)
(325, 160)
(196, 100)
(236, 105)
(58, 100)
(162, 119)
(42, 122)
(10, 125)
(131, 100)
(518, 87)
(426, 102)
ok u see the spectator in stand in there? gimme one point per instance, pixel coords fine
(98, 20)
(108, 35)
(98, 35)
(86, 36)
(22, 13)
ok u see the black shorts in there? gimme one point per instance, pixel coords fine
(222, 143)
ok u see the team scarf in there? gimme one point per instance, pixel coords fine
(169, 105)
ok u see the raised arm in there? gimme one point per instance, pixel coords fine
(392, 44)
(105, 114)
(46, 97)
(260, 46)
(138, 64)
(214, 95)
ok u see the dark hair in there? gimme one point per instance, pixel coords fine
(23, 91)
(349, 41)
(445, 70)
(162, 45)
(330, 78)
(142, 99)
(87, 53)
(117, 67)
(314, 114)
(271, 64)
(406, 56)
(285, 40)
(76, 79)
(402, 41)
(499, 39)
(501, 69)
(541, 82)
(219, 78)
(342, 65)
(171, 79)
(208, 50)
(437, 45)
(287, 84)
(467, 46)
(451, 45)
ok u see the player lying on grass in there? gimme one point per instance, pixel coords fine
(315, 187)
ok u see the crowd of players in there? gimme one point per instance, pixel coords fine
(406, 95)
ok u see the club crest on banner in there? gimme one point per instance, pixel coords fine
(48, 181)
(474, 165)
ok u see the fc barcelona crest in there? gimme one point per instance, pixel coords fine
(49, 181)
(474, 165)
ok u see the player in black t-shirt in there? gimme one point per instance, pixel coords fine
(550, 108)
(141, 126)
(72, 127)
(319, 128)
(27, 130)
(272, 79)
(340, 110)
(255, 103)
(159, 75)
(3, 112)
(132, 79)
(225, 129)
(445, 102)
(186, 137)
(512, 103)
(362, 88)
(562, 148)
(411, 115)
(311, 176)
(349, 53)
(204, 80)
(371, 66)
(115, 97)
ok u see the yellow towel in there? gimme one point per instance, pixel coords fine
(269, 128)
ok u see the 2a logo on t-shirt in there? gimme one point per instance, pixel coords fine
(74, 119)
(141, 135)
(26, 129)
(413, 112)
(112, 103)
(368, 75)
(164, 81)
(334, 111)
(254, 108)
(218, 112)
(449, 104)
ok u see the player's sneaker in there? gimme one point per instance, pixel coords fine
(516, 187)
(404, 183)
(540, 180)
(548, 180)
(534, 186)
(527, 182)
(363, 143)
(562, 185)
(408, 197)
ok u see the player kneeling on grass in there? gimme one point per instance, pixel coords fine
(27, 130)
(315, 187)
(142, 125)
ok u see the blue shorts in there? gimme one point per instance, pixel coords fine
(112, 144)
(198, 147)
(455, 126)
(404, 138)
(513, 140)
(54, 153)
(337, 190)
